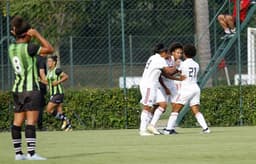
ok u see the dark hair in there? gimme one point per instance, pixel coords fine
(160, 48)
(189, 50)
(174, 46)
(19, 26)
(53, 57)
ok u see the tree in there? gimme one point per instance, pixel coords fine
(53, 18)
(203, 34)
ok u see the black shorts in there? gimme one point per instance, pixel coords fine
(57, 99)
(26, 101)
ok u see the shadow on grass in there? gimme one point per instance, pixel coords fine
(80, 155)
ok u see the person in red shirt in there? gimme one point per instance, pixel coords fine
(227, 22)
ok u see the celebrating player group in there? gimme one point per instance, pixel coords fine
(168, 79)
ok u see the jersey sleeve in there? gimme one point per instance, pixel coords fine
(41, 63)
(161, 63)
(33, 49)
(58, 71)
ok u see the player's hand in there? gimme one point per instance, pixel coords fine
(55, 83)
(182, 77)
(167, 91)
(32, 32)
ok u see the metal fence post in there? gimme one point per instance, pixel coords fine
(71, 61)
(123, 62)
(8, 41)
(239, 60)
(110, 52)
(2, 53)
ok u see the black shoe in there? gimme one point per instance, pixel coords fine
(168, 131)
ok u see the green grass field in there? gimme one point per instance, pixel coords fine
(233, 145)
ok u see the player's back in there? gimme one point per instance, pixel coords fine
(190, 69)
(152, 70)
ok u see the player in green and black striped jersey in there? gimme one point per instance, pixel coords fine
(25, 90)
(55, 78)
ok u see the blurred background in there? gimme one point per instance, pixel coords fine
(101, 41)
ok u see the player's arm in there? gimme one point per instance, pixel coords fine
(63, 77)
(168, 92)
(44, 81)
(169, 70)
(46, 47)
(173, 77)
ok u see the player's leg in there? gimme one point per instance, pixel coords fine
(223, 20)
(50, 108)
(200, 118)
(19, 117)
(147, 100)
(16, 135)
(170, 129)
(66, 124)
(31, 106)
(181, 98)
(195, 106)
(161, 99)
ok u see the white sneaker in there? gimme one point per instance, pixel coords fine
(20, 157)
(145, 133)
(206, 131)
(153, 130)
(35, 157)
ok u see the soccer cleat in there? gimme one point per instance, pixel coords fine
(206, 131)
(20, 157)
(153, 130)
(169, 131)
(68, 128)
(35, 157)
(64, 124)
(145, 133)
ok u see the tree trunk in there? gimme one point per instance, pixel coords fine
(203, 35)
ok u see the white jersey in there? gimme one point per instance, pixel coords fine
(168, 82)
(189, 91)
(190, 69)
(152, 71)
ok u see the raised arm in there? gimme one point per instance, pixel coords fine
(46, 47)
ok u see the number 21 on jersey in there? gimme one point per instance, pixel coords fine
(192, 72)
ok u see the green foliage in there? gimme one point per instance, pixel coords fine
(221, 106)
(105, 108)
(87, 109)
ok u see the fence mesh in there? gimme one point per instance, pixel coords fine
(87, 35)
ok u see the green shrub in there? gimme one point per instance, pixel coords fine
(221, 106)
(105, 108)
(87, 109)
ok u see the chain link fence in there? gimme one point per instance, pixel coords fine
(87, 35)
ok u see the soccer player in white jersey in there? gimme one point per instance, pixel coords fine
(155, 65)
(189, 91)
(167, 91)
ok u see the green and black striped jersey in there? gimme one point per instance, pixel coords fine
(54, 75)
(23, 59)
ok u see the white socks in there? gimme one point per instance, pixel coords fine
(172, 121)
(157, 114)
(200, 119)
(145, 118)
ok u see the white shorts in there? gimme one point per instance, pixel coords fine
(189, 95)
(161, 95)
(148, 96)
